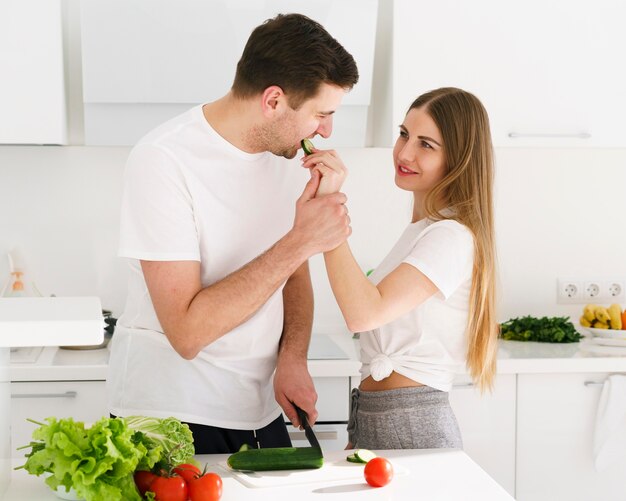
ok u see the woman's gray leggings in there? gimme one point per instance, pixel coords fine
(404, 418)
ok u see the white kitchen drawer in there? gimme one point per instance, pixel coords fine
(332, 437)
(82, 400)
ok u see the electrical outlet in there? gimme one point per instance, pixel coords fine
(591, 290)
(569, 291)
(615, 290)
(581, 291)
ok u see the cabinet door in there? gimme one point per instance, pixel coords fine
(82, 400)
(332, 437)
(547, 72)
(32, 85)
(333, 399)
(556, 421)
(487, 423)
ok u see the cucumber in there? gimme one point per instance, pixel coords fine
(278, 458)
(361, 456)
(364, 455)
(307, 146)
(244, 447)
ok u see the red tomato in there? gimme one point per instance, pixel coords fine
(378, 472)
(169, 488)
(143, 480)
(187, 471)
(208, 487)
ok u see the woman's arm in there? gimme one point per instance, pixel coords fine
(366, 306)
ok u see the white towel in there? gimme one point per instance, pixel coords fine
(609, 441)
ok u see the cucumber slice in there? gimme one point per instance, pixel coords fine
(353, 459)
(364, 455)
(244, 447)
(307, 146)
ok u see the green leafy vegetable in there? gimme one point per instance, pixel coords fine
(170, 434)
(99, 462)
(544, 330)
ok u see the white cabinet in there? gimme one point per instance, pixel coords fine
(145, 61)
(333, 400)
(487, 423)
(556, 420)
(32, 85)
(549, 73)
(81, 400)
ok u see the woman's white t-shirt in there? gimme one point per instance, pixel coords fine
(427, 344)
(191, 195)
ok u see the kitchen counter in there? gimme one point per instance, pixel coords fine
(514, 357)
(524, 357)
(54, 364)
(420, 474)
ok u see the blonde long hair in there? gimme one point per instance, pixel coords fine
(467, 189)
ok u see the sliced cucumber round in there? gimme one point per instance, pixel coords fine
(307, 146)
(364, 455)
(353, 459)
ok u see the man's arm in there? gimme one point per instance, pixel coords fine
(292, 381)
(192, 317)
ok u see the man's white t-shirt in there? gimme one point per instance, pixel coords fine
(427, 344)
(191, 195)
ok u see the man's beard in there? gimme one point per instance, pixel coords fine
(270, 138)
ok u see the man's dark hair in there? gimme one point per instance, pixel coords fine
(295, 53)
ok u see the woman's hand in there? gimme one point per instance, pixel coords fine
(330, 166)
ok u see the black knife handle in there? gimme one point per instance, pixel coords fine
(302, 417)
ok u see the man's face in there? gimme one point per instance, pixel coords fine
(314, 117)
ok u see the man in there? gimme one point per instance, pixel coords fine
(219, 294)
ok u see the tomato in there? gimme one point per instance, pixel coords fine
(169, 488)
(378, 472)
(143, 480)
(208, 487)
(187, 471)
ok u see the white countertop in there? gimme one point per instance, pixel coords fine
(514, 357)
(525, 357)
(423, 474)
(55, 364)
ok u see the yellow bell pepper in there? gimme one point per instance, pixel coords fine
(590, 312)
(615, 312)
(602, 315)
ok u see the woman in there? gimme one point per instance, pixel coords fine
(428, 309)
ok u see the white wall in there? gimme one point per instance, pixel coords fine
(5, 421)
(559, 214)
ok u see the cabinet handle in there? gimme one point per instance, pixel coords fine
(594, 383)
(463, 385)
(575, 135)
(321, 435)
(67, 394)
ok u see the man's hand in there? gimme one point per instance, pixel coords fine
(293, 383)
(321, 223)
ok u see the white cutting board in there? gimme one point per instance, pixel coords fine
(332, 471)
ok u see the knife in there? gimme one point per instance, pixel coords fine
(308, 431)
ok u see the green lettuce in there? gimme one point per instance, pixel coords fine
(99, 462)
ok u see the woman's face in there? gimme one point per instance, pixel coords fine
(418, 155)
